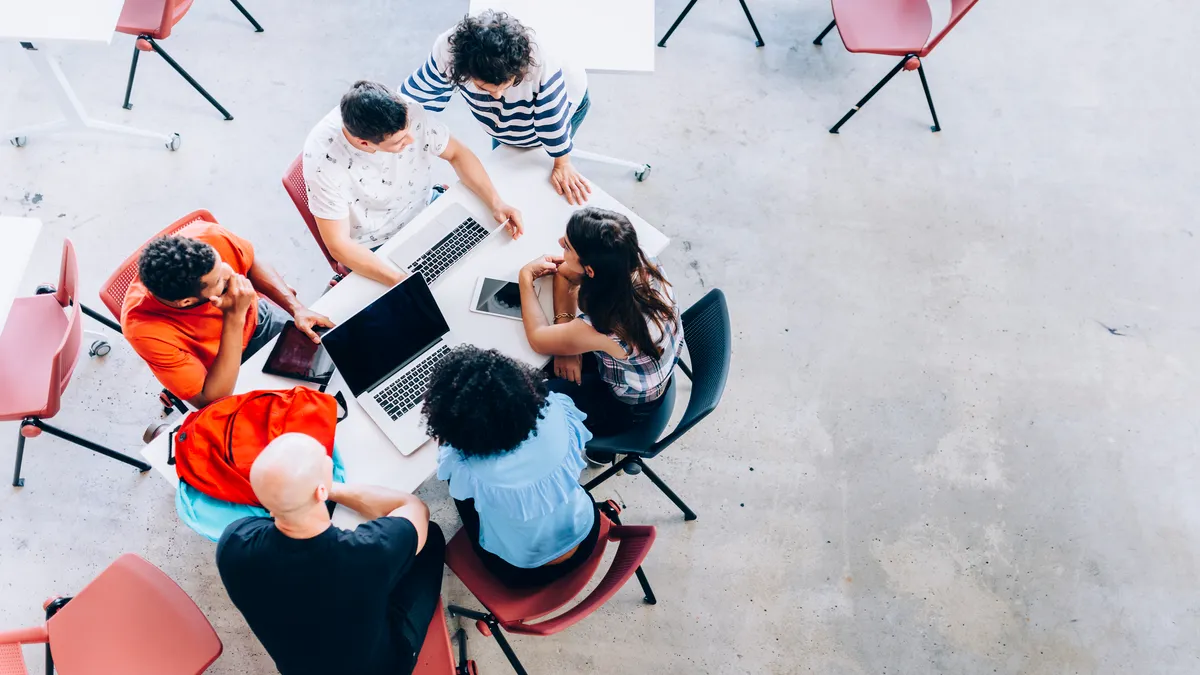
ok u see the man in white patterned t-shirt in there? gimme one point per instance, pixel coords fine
(368, 167)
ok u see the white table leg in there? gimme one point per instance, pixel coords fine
(640, 170)
(76, 116)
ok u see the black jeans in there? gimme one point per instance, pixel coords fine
(606, 414)
(521, 577)
(413, 600)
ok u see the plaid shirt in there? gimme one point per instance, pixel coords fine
(641, 378)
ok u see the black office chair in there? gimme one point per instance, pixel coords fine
(758, 41)
(709, 340)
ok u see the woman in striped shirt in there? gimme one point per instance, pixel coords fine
(615, 358)
(520, 94)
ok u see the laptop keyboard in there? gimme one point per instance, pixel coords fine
(449, 250)
(403, 394)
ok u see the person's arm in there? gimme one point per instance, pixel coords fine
(428, 85)
(375, 501)
(566, 307)
(336, 236)
(472, 174)
(222, 376)
(564, 339)
(552, 122)
(267, 281)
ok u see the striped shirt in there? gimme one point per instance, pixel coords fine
(535, 112)
(641, 378)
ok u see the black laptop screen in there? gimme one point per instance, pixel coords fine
(383, 337)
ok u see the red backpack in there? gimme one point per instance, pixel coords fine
(216, 445)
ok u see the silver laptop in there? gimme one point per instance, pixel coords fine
(386, 353)
(449, 238)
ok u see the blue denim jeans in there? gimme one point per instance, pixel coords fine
(581, 112)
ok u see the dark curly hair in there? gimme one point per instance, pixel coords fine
(171, 267)
(373, 112)
(493, 47)
(483, 403)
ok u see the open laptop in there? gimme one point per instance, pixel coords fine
(386, 353)
(449, 238)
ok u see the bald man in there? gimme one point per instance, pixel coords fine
(325, 600)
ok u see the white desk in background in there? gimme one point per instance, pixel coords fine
(32, 24)
(19, 236)
(597, 35)
(520, 177)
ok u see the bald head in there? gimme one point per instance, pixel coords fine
(288, 474)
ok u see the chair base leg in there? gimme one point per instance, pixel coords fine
(758, 41)
(257, 28)
(886, 78)
(94, 447)
(678, 20)
(179, 69)
(132, 71)
(17, 480)
(98, 316)
(929, 98)
(825, 32)
(688, 514)
(494, 629)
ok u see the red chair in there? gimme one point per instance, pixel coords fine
(517, 610)
(894, 28)
(437, 654)
(293, 183)
(132, 619)
(150, 20)
(39, 347)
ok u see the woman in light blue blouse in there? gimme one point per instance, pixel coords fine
(512, 453)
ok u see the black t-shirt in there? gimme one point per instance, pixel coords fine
(319, 605)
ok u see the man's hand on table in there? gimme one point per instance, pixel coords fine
(568, 182)
(307, 320)
(510, 218)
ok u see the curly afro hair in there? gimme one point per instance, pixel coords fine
(492, 47)
(171, 267)
(483, 403)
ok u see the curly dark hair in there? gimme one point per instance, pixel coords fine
(373, 112)
(483, 403)
(493, 47)
(171, 267)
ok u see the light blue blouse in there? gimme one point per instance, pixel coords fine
(531, 506)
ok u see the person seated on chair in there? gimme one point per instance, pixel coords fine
(193, 314)
(616, 333)
(512, 453)
(322, 599)
(368, 167)
(521, 95)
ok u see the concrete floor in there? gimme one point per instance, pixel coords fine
(959, 433)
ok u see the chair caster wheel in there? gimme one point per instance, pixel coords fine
(633, 469)
(642, 174)
(153, 431)
(99, 348)
(19, 141)
(174, 143)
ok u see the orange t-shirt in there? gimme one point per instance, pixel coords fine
(180, 345)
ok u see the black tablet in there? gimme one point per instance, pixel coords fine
(296, 356)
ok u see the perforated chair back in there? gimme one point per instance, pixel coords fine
(297, 189)
(112, 293)
(709, 340)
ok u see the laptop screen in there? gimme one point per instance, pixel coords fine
(386, 335)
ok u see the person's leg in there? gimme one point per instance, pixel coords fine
(412, 602)
(580, 113)
(271, 320)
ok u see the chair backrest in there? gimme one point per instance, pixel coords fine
(112, 293)
(132, 618)
(958, 9)
(67, 354)
(709, 340)
(437, 654)
(293, 183)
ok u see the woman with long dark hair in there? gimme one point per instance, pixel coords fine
(616, 332)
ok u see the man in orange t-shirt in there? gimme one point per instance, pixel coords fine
(193, 314)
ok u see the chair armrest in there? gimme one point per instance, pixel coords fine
(24, 636)
(635, 542)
